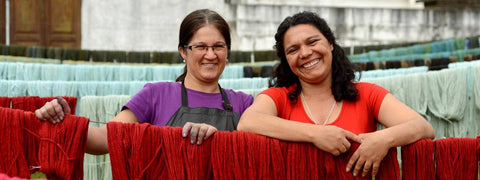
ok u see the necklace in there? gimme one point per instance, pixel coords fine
(304, 102)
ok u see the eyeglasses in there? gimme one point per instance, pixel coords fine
(204, 48)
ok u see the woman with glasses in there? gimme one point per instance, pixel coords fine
(195, 101)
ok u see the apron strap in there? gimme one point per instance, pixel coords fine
(184, 95)
(225, 102)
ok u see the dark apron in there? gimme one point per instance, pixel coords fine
(223, 120)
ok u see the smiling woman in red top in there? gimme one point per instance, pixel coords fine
(314, 99)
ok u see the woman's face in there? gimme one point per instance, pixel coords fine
(205, 64)
(308, 52)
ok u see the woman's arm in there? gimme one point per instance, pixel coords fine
(55, 110)
(261, 118)
(97, 143)
(403, 126)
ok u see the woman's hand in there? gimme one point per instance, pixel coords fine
(198, 131)
(334, 140)
(369, 154)
(54, 110)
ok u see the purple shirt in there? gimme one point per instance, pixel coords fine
(157, 102)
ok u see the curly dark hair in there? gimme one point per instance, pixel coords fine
(343, 71)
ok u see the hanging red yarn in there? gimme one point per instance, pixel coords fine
(196, 158)
(174, 147)
(339, 165)
(454, 158)
(389, 167)
(240, 167)
(222, 155)
(18, 102)
(57, 150)
(5, 102)
(12, 159)
(32, 103)
(143, 151)
(26, 103)
(478, 150)
(154, 165)
(296, 164)
(418, 160)
(62, 147)
(119, 149)
(277, 159)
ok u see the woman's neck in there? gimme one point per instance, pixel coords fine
(197, 85)
(322, 90)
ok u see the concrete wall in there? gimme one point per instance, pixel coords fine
(146, 25)
(152, 25)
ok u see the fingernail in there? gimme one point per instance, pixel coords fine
(191, 142)
(198, 143)
(354, 174)
(347, 169)
(184, 134)
(61, 117)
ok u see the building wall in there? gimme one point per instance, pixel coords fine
(152, 25)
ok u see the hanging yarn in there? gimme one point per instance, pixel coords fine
(478, 149)
(337, 165)
(128, 161)
(55, 150)
(12, 161)
(239, 156)
(277, 158)
(118, 150)
(414, 96)
(174, 156)
(297, 162)
(454, 158)
(222, 156)
(32, 103)
(257, 155)
(143, 151)
(5, 102)
(100, 110)
(389, 167)
(196, 158)
(62, 147)
(418, 160)
(18, 102)
(447, 93)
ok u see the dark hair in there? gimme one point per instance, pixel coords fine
(342, 69)
(196, 20)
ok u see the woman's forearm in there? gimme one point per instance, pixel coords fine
(97, 143)
(275, 127)
(408, 132)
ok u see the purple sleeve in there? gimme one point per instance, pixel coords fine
(239, 100)
(141, 104)
(248, 100)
